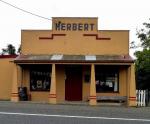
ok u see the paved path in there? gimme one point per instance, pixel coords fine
(29, 113)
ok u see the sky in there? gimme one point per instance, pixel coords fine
(112, 15)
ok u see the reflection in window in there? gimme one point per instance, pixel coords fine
(39, 80)
(107, 80)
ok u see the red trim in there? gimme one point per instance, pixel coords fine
(92, 97)
(72, 61)
(14, 94)
(52, 37)
(8, 56)
(52, 95)
(97, 38)
(132, 97)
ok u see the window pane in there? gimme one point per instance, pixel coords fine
(106, 80)
(39, 79)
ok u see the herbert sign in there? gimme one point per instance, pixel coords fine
(59, 26)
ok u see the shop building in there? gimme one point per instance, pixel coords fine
(72, 62)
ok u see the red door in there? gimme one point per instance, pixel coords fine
(73, 84)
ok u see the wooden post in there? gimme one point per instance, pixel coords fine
(52, 95)
(92, 98)
(14, 93)
(131, 86)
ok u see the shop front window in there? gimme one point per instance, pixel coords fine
(107, 80)
(39, 80)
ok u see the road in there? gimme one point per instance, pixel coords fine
(35, 113)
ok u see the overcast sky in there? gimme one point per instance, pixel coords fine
(112, 14)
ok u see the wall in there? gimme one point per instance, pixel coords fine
(6, 70)
(123, 81)
(37, 96)
(122, 84)
(43, 96)
(85, 85)
(60, 83)
(74, 42)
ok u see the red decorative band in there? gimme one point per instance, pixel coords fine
(97, 38)
(92, 97)
(52, 95)
(132, 98)
(52, 37)
(14, 94)
(8, 56)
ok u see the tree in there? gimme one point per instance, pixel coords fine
(10, 50)
(144, 35)
(19, 50)
(143, 69)
(143, 58)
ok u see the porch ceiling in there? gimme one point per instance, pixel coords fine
(59, 58)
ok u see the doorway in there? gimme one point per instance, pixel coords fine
(73, 83)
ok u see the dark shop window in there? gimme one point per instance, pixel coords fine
(107, 81)
(87, 78)
(40, 80)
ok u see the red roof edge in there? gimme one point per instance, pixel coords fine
(8, 56)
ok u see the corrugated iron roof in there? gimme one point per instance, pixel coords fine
(90, 57)
(73, 58)
(56, 57)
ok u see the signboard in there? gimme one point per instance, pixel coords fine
(73, 26)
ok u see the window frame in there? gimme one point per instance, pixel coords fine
(38, 79)
(106, 71)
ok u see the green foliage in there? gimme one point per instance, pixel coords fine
(10, 50)
(143, 69)
(143, 58)
(19, 50)
(144, 35)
